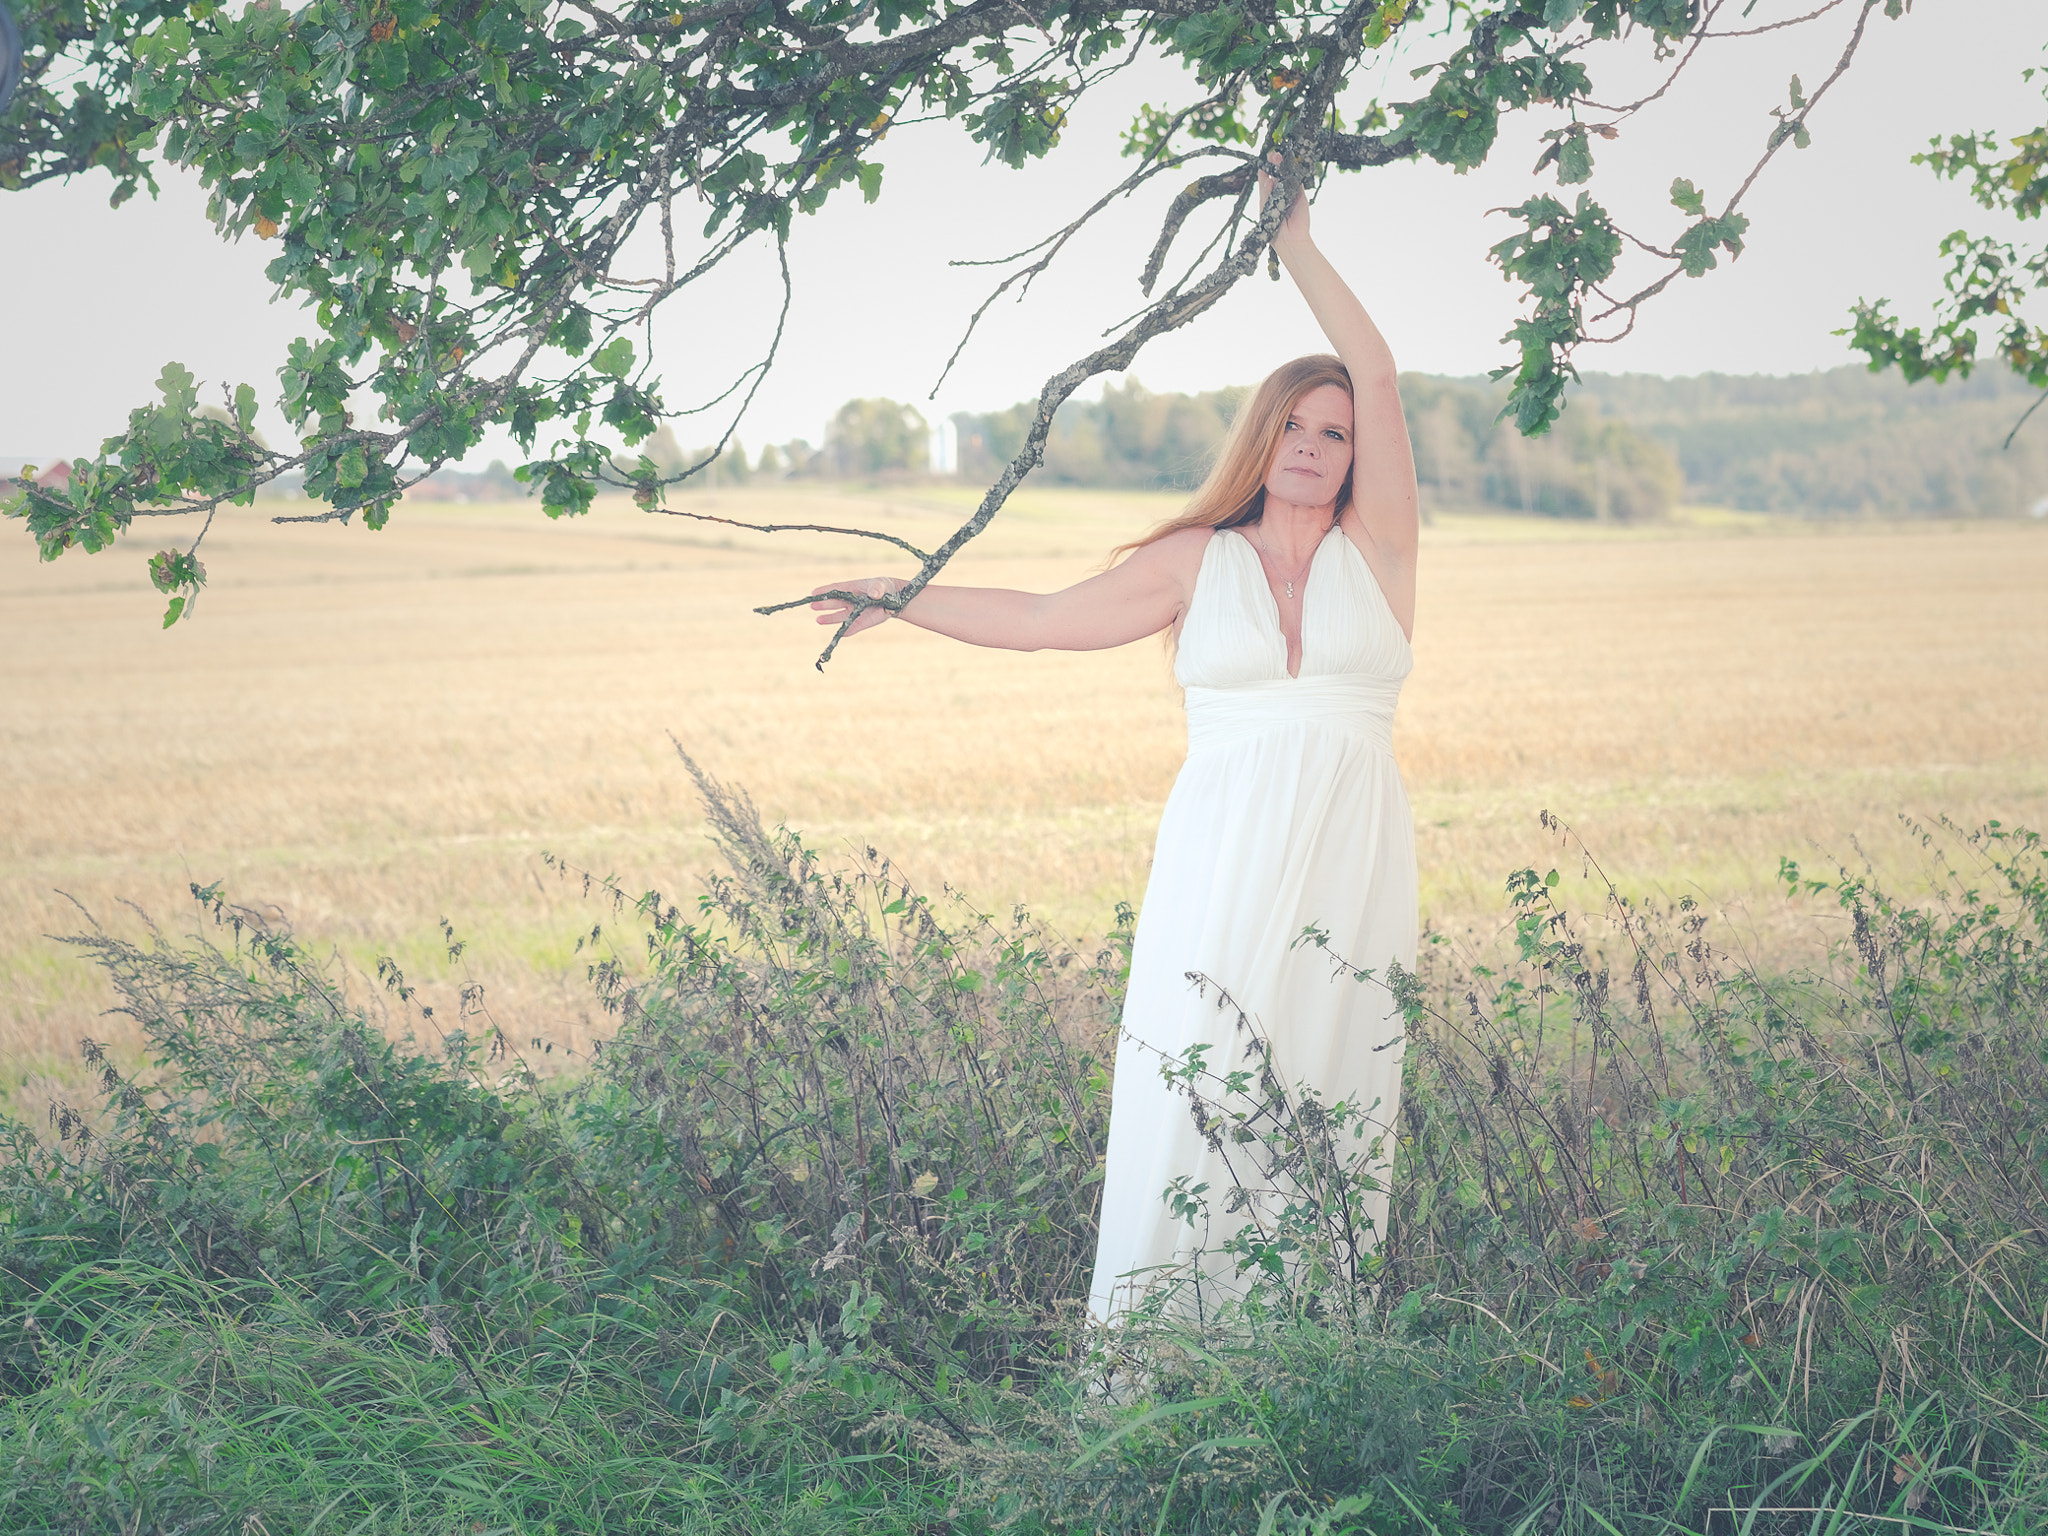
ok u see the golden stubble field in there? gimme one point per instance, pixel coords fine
(368, 731)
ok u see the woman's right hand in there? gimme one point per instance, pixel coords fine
(1293, 229)
(833, 610)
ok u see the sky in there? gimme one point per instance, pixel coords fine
(100, 299)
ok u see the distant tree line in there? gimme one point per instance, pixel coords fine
(1589, 466)
(865, 439)
(1130, 437)
(1631, 447)
(1843, 441)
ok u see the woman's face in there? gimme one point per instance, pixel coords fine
(1315, 449)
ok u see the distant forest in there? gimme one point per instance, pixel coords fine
(1630, 446)
(1590, 465)
(1844, 441)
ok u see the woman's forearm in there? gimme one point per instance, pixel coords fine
(1132, 599)
(991, 616)
(1127, 602)
(1338, 311)
(1383, 483)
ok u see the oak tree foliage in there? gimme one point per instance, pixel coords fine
(1989, 281)
(486, 201)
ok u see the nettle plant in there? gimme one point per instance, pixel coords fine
(487, 202)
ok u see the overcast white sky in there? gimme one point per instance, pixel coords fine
(102, 299)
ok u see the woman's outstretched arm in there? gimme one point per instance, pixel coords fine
(1383, 483)
(1139, 597)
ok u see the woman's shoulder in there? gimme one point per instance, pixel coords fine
(1194, 541)
(1180, 552)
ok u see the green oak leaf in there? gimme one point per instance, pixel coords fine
(1695, 248)
(1574, 160)
(180, 389)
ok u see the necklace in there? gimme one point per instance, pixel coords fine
(1266, 554)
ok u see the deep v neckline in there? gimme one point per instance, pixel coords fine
(1273, 602)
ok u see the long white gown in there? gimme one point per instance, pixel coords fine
(1288, 812)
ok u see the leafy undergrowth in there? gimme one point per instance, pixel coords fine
(1672, 1246)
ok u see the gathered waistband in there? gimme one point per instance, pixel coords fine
(1359, 705)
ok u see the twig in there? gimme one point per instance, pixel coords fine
(1778, 26)
(1058, 240)
(852, 533)
(2015, 432)
(1780, 136)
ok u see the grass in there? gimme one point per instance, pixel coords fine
(367, 732)
(1677, 1246)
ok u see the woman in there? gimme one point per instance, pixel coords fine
(1289, 586)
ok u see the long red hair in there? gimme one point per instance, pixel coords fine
(1234, 493)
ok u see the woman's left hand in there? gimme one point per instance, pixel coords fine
(833, 610)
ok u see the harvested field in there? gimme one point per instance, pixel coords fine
(369, 731)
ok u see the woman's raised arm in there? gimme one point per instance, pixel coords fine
(1139, 597)
(1383, 481)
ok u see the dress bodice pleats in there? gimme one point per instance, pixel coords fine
(1231, 634)
(1233, 658)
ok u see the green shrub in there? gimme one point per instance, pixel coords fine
(1796, 1202)
(838, 1162)
(845, 1103)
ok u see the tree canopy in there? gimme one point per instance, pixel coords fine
(469, 193)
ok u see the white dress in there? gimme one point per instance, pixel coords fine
(1289, 812)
